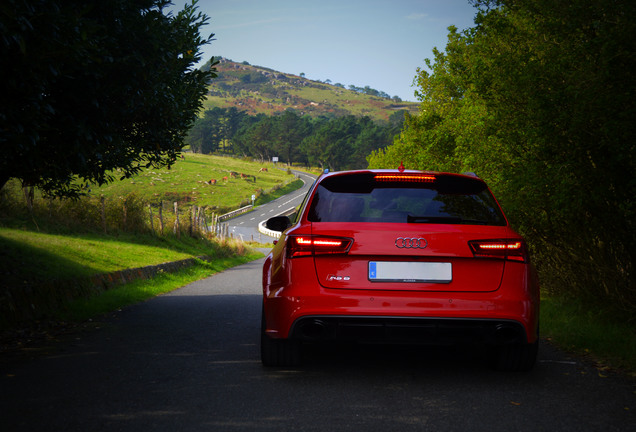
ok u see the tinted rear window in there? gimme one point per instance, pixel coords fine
(360, 198)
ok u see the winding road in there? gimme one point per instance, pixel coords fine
(245, 226)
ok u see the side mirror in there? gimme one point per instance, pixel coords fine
(278, 223)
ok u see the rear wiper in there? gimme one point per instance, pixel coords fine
(444, 220)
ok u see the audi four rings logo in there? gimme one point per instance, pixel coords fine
(411, 243)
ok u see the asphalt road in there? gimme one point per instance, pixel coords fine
(245, 226)
(189, 361)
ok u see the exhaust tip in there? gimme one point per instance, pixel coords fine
(315, 329)
(506, 334)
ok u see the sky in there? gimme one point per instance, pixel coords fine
(375, 43)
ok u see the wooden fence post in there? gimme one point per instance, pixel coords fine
(161, 217)
(152, 226)
(205, 223)
(177, 229)
(198, 221)
(192, 214)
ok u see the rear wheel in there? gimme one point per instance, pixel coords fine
(517, 357)
(278, 352)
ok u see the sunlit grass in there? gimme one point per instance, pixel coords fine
(31, 256)
(186, 181)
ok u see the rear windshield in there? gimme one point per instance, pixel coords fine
(448, 199)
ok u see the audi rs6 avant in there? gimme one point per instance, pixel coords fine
(394, 256)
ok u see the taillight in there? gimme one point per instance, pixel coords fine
(513, 250)
(298, 246)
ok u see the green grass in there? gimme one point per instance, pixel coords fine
(30, 257)
(140, 290)
(186, 182)
(46, 272)
(607, 339)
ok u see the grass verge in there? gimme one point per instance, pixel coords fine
(608, 340)
(40, 273)
(140, 290)
(31, 257)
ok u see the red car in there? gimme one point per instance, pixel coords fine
(399, 257)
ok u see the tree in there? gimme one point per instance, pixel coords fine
(234, 121)
(93, 87)
(537, 99)
(291, 129)
(260, 138)
(340, 143)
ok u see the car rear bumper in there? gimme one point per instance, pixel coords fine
(403, 317)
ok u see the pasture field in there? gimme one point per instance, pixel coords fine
(189, 181)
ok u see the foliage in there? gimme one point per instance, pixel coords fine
(94, 86)
(336, 143)
(537, 99)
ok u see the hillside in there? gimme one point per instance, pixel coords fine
(256, 90)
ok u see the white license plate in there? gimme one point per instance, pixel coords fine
(389, 271)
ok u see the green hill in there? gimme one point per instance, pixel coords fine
(256, 90)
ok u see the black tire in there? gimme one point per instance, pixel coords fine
(278, 352)
(517, 357)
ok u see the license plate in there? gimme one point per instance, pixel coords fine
(390, 271)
